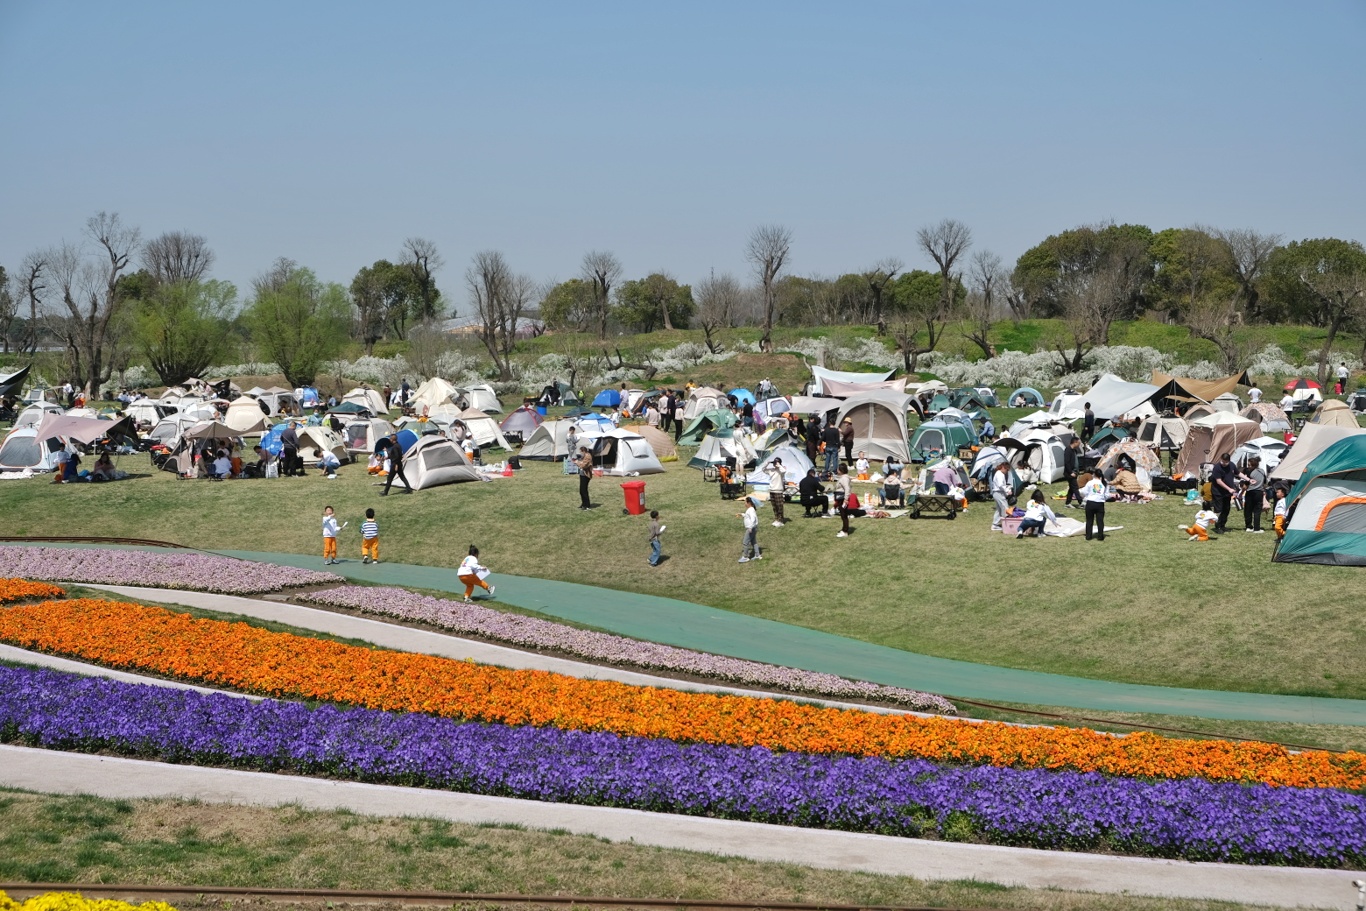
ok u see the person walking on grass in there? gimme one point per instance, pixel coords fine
(777, 482)
(656, 538)
(330, 531)
(473, 573)
(1088, 423)
(1000, 495)
(843, 491)
(369, 538)
(750, 542)
(391, 444)
(584, 462)
(1093, 495)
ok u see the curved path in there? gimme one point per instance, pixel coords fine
(694, 626)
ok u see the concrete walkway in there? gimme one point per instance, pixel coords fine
(707, 629)
(77, 773)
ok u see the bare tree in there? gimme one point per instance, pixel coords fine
(718, 298)
(601, 270)
(985, 275)
(1092, 300)
(501, 298)
(945, 243)
(1248, 251)
(768, 249)
(878, 277)
(177, 256)
(420, 256)
(1216, 319)
(32, 284)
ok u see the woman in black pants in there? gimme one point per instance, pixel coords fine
(585, 463)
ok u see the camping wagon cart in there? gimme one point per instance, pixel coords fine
(931, 504)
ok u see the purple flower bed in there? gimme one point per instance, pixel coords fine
(1187, 818)
(531, 632)
(160, 569)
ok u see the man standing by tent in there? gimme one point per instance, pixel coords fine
(1070, 457)
(830, 436)
(289, 458)
(1094, 494)
(584, 461)
(394, 450)
(1088, 424)
(1222, 486)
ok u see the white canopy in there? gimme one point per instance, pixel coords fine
(1111, 397)
(819, 375)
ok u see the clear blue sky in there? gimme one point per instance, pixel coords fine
(329, 132)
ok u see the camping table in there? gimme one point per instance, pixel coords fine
(931, 504)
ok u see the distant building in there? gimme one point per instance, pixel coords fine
(471, 326)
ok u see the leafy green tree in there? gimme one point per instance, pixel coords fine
(921, 313)
(1321, 282)
(568, 305)
(1045, 274)
(1192, 266)
(182, 327)
(298, 321)
(385, 296)
(656, 301)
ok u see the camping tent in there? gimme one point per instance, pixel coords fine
(1067, 406)
(879, 420)
(1302, 390)
(742, 396)
(704, 399)
(1313, 440)
(773, 438)
(819, 375)
(1164, 433)
(23, 449)
(1037, 455)
(1033, 398)
(481, 397)
(705, 423)
(521, 421)
(434, 460)
(769, 409)
(1111, 397)
(481, 428)
(1227, 402)
(315, 439)
(1209, 437)
(607, 398)
(245, 415)
(33, 415)
(1357, 400)
(623, 453)
(1144, 457)
(548, 442)
(936, 438)
(1327, 520)
(363, 436)
(795, 465)
(276, 400)
(1334, 413)
(148, 411)
(660, 442)
(432, 393)
(369, 399)
(984, 464)
(1269, 449)
(1270, 416)
(720, 447)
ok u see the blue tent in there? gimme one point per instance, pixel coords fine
(310, 397)
(406, 439)
(742, 396)
(1033, 398)
(270, 441)
(609, 398)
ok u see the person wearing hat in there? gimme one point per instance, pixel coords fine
(750, 542)
(395, 464)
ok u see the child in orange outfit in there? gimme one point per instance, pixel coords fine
(1199, 529)
(1279, 513)
(369, 534)
(330, 530)
(471, 573)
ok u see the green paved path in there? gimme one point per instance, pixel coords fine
(707, 629)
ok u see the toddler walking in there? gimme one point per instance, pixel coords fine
(1204, 519)
(472, 573)
(330, 530)
(369, 535)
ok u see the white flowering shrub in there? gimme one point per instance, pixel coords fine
(1271, 361)
(253, 368)
(1127, 362)
(377, 371)
(1200, 370)
(136, 377)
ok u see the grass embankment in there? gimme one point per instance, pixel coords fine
(1145, 606)
(167, 842)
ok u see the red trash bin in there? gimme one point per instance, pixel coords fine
(635, 497)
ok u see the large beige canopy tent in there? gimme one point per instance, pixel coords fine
(820, 376)
(1209, 437)
(1204, 390)
(879, 420)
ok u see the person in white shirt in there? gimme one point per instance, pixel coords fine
(1254, 395)
(1093, 496)
(1000, 493)
(472, 573)
(777, 483)
(1204, 520)
(222, 466)
(750, 543)
(862, 468)
(1037, 515)
(1287, 403)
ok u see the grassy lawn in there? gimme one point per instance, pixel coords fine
(1144, 606)
(163, 842)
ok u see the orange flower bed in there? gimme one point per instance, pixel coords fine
(12, 590)
(135, 637)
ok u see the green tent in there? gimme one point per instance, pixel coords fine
(935, 439)
(705, 423)
(1327, 520)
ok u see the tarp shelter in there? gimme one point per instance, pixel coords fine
(936, 438)
(1025, 397)
(660, 442)
(1327, 521)
(819, 376)
(245, 415)
(370, 399)
(704, 399)
(434, 460)
(12, 383)
(795, 465)
(1111, 397)
(213, 430)
(86, 430)
(841, 389)
(742, 396)
(480, 396)
(607, 398)
(879, 420)
(703, 424)
(23, 448)
(1228, 402)
(718, 448)
(482, 429)
(1334, 413)
(1209, 437)
(622, 453)
(1165, 433)
(315, 440)
(521, 421)
(1205, 390)
(1270, 416)
(1312, 441)
(431, 394)
(363, 436)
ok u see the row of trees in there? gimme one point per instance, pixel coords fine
(113, 297)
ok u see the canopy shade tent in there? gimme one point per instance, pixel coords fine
(1313, 440)
(1327, 515)
(819, 375)
(841, 388)
(212, 430)
(86, 430)
(879, 420)
(1204, 390)
(1111, 397)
